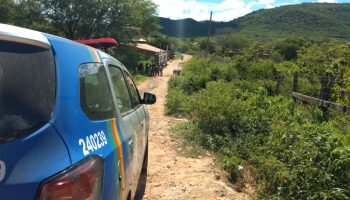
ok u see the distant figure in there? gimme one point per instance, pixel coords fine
(177, 71)
(161, 67)
(147, 68)
(137, 68)
(154, 70)
(140, 67)
(182, 57)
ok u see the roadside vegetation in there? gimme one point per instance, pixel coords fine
(240, 107)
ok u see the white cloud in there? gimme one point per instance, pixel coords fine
(327, 1)
(266, 1)
(268, 6)
(286, 4)
(225, 11)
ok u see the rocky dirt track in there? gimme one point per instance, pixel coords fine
(171, 176)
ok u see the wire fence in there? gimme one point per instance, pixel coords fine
(321, 90)
(325, 90)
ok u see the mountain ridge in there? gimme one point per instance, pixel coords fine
(317, 21)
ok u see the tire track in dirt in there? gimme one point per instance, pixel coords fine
(171, 176)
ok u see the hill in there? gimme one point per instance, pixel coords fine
(316, 21)
(185, 28)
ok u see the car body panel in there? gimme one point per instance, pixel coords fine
(135, 136)
(60, 143)
(121, 132)
(27, 164)
(74, 125)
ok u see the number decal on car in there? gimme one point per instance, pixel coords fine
(93, 142)
(2, 170)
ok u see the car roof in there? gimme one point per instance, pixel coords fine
(23, 35)
(36, 38)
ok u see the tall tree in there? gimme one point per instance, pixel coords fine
(97, 18)
(68, 15)
(132, 18)
(28, 13)
(6, 11)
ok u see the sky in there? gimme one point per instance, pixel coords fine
(223, 10)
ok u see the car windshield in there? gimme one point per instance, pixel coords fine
(27, 89)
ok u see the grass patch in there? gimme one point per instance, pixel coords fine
(190, 139)
(139, 78)
(194, 143)
(178, 55)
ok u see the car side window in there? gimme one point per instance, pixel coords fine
(95, 95)
(120, 89)
(135, 97)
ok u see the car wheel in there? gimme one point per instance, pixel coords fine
(141, 186)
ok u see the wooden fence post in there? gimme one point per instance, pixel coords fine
(323, 86)
(327, 82)
(295, 84)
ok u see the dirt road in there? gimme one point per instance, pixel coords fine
(171, 176)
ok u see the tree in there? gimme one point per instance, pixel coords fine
(131, 18)
(288, 48)
(230, 43)
(77, 19)
(202, 42)
(160, 41)
(6, 11)
(70, 15)
(28, 13)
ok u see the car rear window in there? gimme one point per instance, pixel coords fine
(27, 89)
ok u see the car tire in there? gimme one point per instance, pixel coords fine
(141, 186)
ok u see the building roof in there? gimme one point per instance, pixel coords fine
(141, 40)
(147, 47)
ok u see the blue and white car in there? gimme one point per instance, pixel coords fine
(72, 123)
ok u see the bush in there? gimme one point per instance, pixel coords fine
(214, 108)
(139, 78)
(222, 108)
(175, 82)
(231, 164)
(295, 151)
(316, 161)
(176, 103)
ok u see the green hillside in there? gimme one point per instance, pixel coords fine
(315, 21)
(186, 28)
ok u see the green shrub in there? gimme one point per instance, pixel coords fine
(231, 164)
(295, 151)
(193, 83)
(222, 108)
(214, 108)
(315, 158)
(175, 82)
(139, 78)
(176, 103)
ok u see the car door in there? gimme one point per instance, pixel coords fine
(130, 121)
(139, 114)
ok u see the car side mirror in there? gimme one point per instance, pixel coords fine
(149, 98)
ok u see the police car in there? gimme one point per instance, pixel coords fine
(72, 122)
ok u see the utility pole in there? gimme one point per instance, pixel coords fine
(211, 15)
